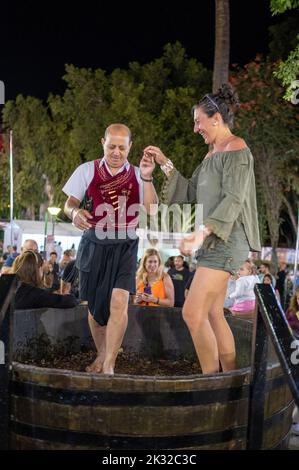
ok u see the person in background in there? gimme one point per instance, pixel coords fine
(281, 281)
(66, 258)
(267, 279)
(243, 295)
(180, 276)
(53, 261)
(231, 287)
(292, 313)
(169, 264)
(28, 268)
(265, 269)
(154, 287)
(9, 260)
(69, 283)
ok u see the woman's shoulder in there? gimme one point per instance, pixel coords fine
(166, 277)
(237, 143)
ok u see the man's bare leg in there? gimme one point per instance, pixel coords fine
(98, 333)
(116, 328)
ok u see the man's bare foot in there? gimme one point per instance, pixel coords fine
(96, 365)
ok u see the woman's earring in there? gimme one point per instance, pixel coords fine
(215, 123)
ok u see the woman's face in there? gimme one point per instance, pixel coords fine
(205, 126)
(152, 264)
(267, 280)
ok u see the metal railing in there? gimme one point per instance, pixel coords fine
(270, 322)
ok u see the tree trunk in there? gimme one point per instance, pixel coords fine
(291, 213)
(222, 41)
(273, 196)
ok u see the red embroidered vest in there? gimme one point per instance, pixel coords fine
(113, 198)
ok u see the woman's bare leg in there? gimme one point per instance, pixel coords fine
(204, 290)
(223, 333)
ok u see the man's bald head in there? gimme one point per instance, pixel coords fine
(30, 245)
(118, 129)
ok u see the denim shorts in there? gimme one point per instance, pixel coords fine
(224, 256)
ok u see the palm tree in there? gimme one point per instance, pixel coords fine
(222, 44)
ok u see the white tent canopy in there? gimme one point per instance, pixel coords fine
(65, 233)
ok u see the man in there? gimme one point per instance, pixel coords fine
(53, 261)
(265, 269)
(28, 245)
(180, 276)
(107, 255)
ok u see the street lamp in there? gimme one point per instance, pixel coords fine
(54, 211)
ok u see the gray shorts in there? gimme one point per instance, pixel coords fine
(224, 256)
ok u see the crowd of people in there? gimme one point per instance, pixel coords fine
(43, 282)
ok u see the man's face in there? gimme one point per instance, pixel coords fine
(30, 245)
(178, 262)
(53, 258)
(116, 149)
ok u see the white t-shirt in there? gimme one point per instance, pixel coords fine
(244, 288)
(79, 181)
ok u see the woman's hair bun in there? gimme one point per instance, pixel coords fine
(227, 94)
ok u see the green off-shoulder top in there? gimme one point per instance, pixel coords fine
(224, 184)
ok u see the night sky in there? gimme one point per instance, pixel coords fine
(38, 38)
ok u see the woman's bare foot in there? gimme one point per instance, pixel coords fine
(108, 369)
(96, 365)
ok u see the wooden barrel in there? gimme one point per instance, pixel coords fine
(62, 409)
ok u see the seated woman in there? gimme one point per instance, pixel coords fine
(154, 287)
(30, 294)
(292, 313)
(243, 295)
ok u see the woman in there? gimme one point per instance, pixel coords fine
(225, 186)
(154, 287)
(30, 294)
(292, 313)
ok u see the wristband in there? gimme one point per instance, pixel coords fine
(147, 180)
(73, 211)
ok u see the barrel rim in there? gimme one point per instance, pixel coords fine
(18, 366)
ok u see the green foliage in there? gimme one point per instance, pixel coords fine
(287, 71)
(283, 38)
(154, 100)
(280, 6)
(270, 127)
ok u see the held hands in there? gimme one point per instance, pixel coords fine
(191, 242)
(147, 165)
(157, 154)
(80, 219)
